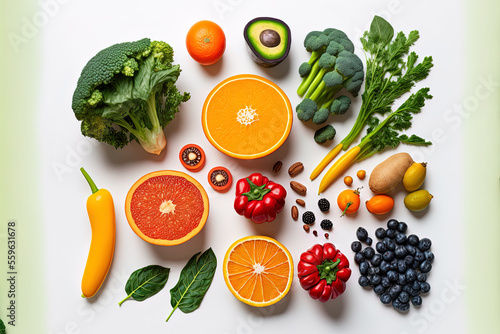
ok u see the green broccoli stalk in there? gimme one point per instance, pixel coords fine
(127, 92)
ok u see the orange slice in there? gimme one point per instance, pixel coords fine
(247, 117)
(166, 207)
(258, 270)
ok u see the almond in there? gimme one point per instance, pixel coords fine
(295, 213)
(306, 228)
(300, 202)
(298, 188)
(295, 169)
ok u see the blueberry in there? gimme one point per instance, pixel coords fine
(402, 227)
(394, 264)
(401, 238)
(379, 289)
(356, 246)
(413, 240)
(363, 267)
(380, 233)
(409, 260)
(395, 290)
(422, 277)
(415, 286)
(369, 241)
(404, 297)
(375, 280)
(400, 252)
(380, 247)
(368, 252)
(392, 276)
(424, 244)
(359, 257)
(388, 256)
(374, 271)
(385, 266)
(407, 288)
(391, 234)
(415, 265)
(425, 287)
(386, 282)
(412, 250)
(361, 234)
(419, 256)
(404, 307)
(390, 245)
(401, 279)
(401, 266)
(425, 266)
(363, 281)
(392, 224)
(385, 298)
(416, 301)
(411, 275)
(396, 303)
(429, 256)
(414, 292)
(376, 260)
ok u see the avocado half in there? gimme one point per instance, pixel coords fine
(268, 40)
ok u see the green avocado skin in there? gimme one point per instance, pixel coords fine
(261, 54)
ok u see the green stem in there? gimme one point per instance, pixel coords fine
(317, 80)
(151, 111)
(124, 299)
(92, 185)
(306, 82)
(346, 207)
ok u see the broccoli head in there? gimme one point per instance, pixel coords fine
(321, 116)
(340, 105)
(306, 109)
(324, 134)
(127, 92)
(304, 69)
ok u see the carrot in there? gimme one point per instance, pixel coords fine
(338, 167)
(326, 160)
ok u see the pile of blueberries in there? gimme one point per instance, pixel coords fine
(397, 268)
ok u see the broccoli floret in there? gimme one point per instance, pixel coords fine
(121, 93)
(333, 79)
(321, 116)
(340, 105)
(306, 110)
(324, 134)
(304, 69)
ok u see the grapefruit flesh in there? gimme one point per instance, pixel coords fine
(167, 207)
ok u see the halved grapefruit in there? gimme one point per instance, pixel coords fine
(166, 207)
(247, 116)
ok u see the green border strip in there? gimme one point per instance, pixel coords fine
(19, 168)
(482, 166)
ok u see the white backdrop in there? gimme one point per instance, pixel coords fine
(82, 28)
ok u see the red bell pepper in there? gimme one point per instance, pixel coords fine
(259, 199)
(323, 271)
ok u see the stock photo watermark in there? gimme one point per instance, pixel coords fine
(31, 25)
(73, 158)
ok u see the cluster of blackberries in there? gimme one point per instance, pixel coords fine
(397, 268)
(309, 218)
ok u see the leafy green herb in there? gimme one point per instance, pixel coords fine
(194, 281)
(388, 76)
(146, 282)
(2, 327)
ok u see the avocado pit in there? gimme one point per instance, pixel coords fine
(270, 38)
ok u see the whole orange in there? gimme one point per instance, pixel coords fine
(206, 42)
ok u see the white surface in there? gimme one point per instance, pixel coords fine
(80, 29)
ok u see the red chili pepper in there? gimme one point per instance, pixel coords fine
(323, 271)
(259, 199)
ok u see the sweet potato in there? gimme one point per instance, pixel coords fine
(389, 173)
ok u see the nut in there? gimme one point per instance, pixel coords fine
(300, 202)
(298, 188)
(306, 228)
(277, 166)
(315, 233)
(295, 169)
(327, 235)
(295, 213)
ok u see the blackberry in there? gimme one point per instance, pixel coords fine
(326, 224)
(362, 234)
(356, 246)
(308, 218)
(324, 205)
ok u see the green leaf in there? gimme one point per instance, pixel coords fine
(146, 282)
(381, 31)
(2, 327)
(194, 281)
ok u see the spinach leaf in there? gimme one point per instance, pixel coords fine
(2, 327)
(194, 281)
(381, 31)
(146, 282)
